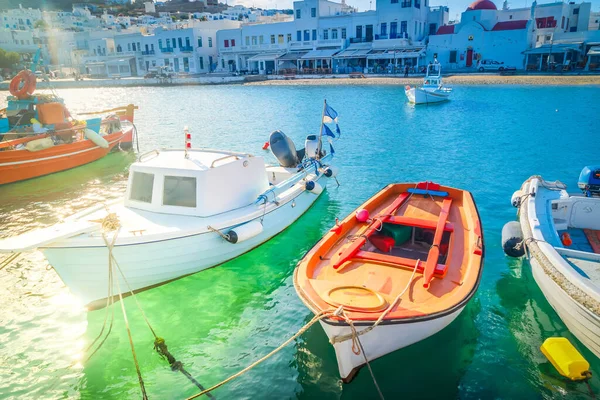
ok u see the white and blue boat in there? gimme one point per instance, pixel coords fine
(432, 90)
(183, 211)
(561, 237)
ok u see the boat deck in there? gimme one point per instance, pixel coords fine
(586, 241)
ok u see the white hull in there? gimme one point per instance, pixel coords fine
(421, 96)
(85, 269)
(580, 321)
(574, 293)
(383, 339)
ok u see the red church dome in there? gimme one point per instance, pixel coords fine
(482, 5)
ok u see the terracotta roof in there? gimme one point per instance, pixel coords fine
(482, 5)
(510, 25)
(445, 30)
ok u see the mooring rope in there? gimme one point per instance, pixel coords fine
(111, 223)
(314, 320)
(351, 336)
(355, 338)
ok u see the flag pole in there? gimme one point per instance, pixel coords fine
(321, 130)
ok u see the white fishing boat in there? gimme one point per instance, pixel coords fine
(432, 90)
(561, 233)
(183, 211)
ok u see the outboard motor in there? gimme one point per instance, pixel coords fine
(589, 181)
(284, 149)
(312, 147)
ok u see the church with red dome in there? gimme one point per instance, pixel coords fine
(518, 38)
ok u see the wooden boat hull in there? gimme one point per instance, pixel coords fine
(582, 323)
(19, 165)
(573, 291)
(395, 286)
(382, 340)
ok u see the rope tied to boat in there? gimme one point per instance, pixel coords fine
(351, 336)
(314, 320)
(111, 223)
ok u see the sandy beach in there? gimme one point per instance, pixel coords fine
(466, 79)
(222, 79)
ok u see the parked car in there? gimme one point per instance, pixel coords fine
(491, 65)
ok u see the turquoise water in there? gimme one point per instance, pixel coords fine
(487, 140)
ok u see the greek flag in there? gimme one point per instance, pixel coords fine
(327, 132)
(330, 115)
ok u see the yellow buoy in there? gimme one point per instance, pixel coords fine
(566, 359)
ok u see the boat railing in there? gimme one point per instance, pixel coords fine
(143, 156)
(292, 180)
(212, 165)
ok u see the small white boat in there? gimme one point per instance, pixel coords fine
(432, 90)
(561, 233)
(183, 211)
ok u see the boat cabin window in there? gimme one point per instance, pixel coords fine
(179, 191)
(141, 187)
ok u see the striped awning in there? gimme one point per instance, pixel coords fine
(319, 54)
(390, 54)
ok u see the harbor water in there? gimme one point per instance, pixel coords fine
(487, 140)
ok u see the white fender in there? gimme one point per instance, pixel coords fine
(245, 231)
(96, 138)
(313, 187)
(331, 172)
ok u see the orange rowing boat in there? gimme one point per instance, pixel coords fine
(38, 135)
(398, 270)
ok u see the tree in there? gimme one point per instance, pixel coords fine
(40, 24)
(8, 59)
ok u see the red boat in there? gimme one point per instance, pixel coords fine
(38, 135)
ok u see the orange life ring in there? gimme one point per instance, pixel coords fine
(28, 79)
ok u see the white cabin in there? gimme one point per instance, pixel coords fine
(202, 184)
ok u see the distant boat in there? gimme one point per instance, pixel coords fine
(183, 211)
(402, 268)
(38, 135)
(561, 233)
(432, 90)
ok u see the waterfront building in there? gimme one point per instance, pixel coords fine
(327, 37)
(531, 38)
(20, 18)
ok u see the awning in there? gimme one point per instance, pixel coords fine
(353, 53)
(594, 51)
(264, 57)
(391, 54)
(319, 54)
(556, 48)
(292, 56)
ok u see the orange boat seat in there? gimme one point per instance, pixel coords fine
(383, 243)
(400, 262)
(418, 223)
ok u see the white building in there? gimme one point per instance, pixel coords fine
(391, 36)
(20, 18)
(522, 37)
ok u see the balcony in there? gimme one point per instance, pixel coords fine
(186, 49)
(166, 49)
(361, 40)
(330, 43)
(148, 53)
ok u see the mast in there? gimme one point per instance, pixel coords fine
(321, 130)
